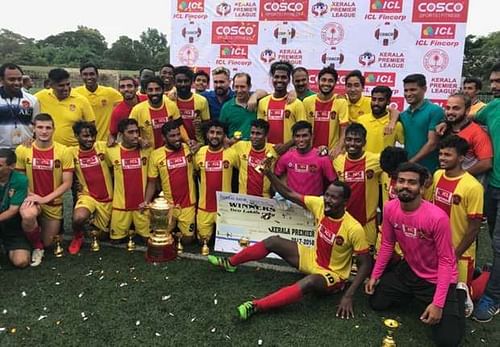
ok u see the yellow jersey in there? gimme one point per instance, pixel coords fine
(359, 108)
(376, 141)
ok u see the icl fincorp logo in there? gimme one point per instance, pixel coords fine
(444, 11)
(235, 31)
(319, 9)
(380, 79)
(438, 31)
(233, 52)
(436, 60)
(386, 6)
(190, 6)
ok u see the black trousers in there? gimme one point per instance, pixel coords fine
(399, 285)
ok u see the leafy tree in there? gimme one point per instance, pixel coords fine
(480, 54)
(156, 46)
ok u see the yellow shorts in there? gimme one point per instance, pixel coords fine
(184, 219)
(51, 212)
(122, 220)
(308, 265)
(205, 223)
(100, 211)
(370, 229)
(465, 269)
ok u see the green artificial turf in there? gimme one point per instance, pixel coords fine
(131, 302)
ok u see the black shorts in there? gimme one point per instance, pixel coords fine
(12, 235)
(400, 285)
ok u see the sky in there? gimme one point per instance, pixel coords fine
(39, 19)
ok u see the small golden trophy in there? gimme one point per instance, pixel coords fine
(58, 250)
(244, 242)
(131, 243)
(94, 244)
(260, 167)
(180, 247)
(391, 325)
(204, 249)
(161, 244)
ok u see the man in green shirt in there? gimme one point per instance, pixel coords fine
(489, 304)
(13, 191)
(419, 123)
(300, 81)
(234, 113)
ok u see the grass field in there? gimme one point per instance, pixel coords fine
(115, 298)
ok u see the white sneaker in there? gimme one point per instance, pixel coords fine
(469, 305)
(36, 257)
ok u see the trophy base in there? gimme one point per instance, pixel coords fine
(160, 254)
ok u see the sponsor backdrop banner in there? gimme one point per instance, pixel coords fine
(386, 39)
(254, 218)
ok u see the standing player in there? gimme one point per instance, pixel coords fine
(222, 91)
(167, 76)
(376, 122)
(215, 166)
(49, 167)
(65, 106)
(172, 167)
(192, 107)
(328, 114)
(128, 89)
(102, 99)
(327, 265)
(428, 271)
(201, 81)
(251, 155)
(361, 171)
(300, 81)
(153, 114)
(276, 110)
(305, 170)
(13, 190)
(358, 103)
(472, 86)
(94, 181)
(130, 166)
(460, 195)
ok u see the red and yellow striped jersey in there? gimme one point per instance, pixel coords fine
(195, 106)
(130, 170)
(44, 167)
(336, 240)
(326, 118)
(175, 170)
(462, 199)
(362, 175)
(251, 181)
(93, 172)
(216, 171)
(152, 119)
(281, 116)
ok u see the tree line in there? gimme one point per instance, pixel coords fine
(71, 48)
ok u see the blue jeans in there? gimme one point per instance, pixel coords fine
(492, 210)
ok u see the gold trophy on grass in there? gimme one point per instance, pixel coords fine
(161, 244)
(180, 247)
(58, 250)
(131, 243)
(244, 242)
(391, 325)
(94, 244)
(204, 249)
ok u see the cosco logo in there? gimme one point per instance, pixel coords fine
(235, 30)
(284, 6)
(440, 7)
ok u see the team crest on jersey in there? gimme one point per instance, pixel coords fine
(11, 192)
(354, 176)
(313, 168)
(117, 162)
(101, 156)
(144, 160)
(369, 174)
(72, 107)
(287, 114)
(104, 102)
(161, 163)
(147, 123)
(311, 114)
(333, 115)
(226, 164)
(57, 164)
(244, 157)
(456, 199)
(339, 240)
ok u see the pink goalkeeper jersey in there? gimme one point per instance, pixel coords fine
(307, 174)
(425, 238)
